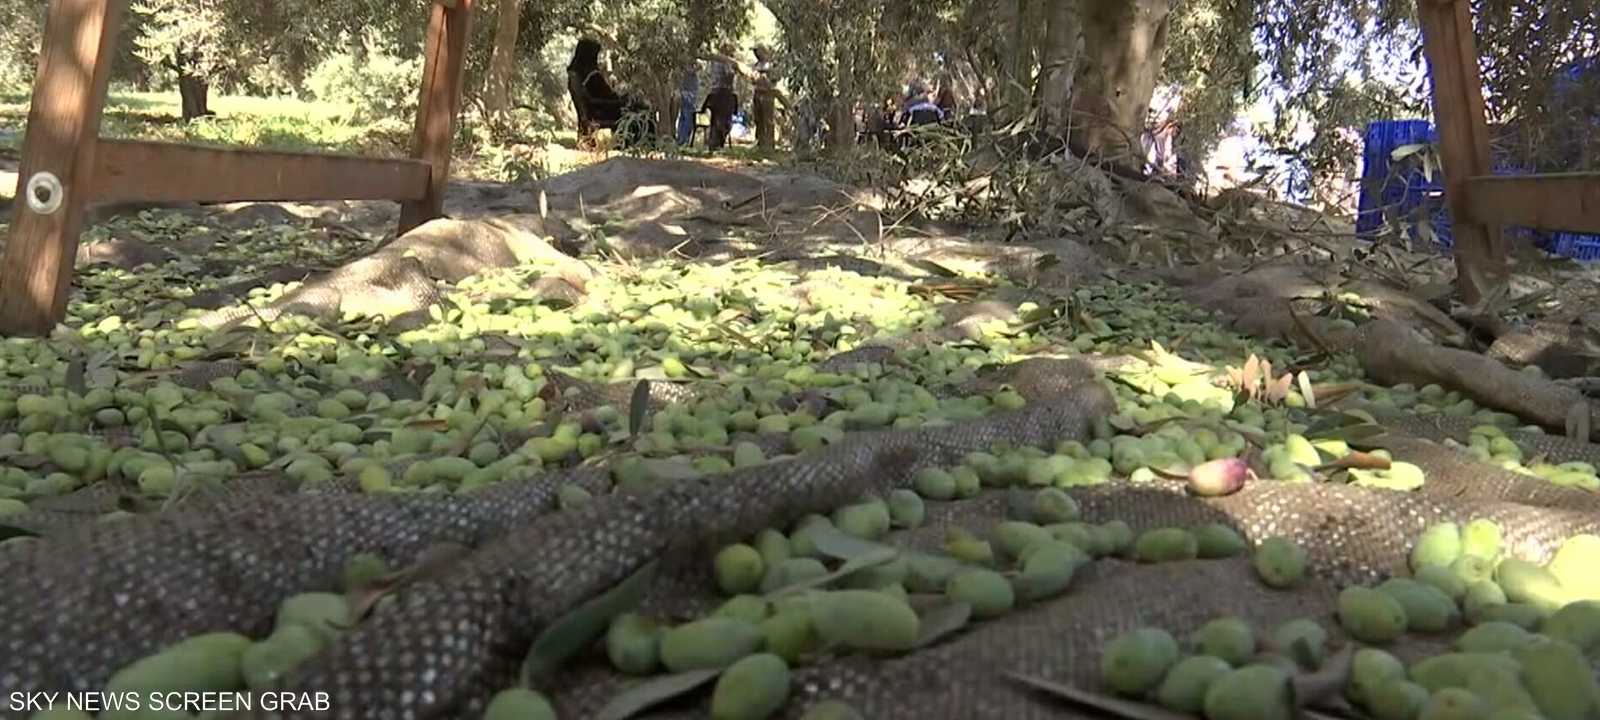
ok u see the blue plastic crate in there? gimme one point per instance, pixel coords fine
(1575, 246)
(1415, 194)
(1382, 190)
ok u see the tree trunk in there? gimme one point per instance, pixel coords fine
(842, 133)
(1125, 42)
(663, 102)
(195, 94)
(1063, 44)
(503, 61)
(764, 111)
(193, 91)
(1017, 62)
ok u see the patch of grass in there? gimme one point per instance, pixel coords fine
(275, 123)
(297, 125)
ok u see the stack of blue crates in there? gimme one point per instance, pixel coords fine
(1410, 194)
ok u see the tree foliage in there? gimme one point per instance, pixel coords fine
(1316, 61)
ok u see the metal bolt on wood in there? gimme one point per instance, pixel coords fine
(45, 193)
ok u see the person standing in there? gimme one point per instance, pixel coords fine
(765, 101)
(688, 102)
(946, 99)
(721, 99)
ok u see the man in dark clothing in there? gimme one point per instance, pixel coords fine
(598, 105)
(721, 101)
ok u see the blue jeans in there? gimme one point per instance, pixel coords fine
(686, 113)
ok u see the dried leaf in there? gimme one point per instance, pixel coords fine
(1309, 332)
(1278, 389)
(1306, 390)
(1328, 393)
(1357, 460)
(429, 424)
(434, 562)
(1250, 376)
(652, 692)
(941, 621)
(578, 629)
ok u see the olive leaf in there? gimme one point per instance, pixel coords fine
(8, 532)
(1578, 422)
(638, 407)
(229, 450)
(1302, 653)
(1110, 705)
(27, 461)
(461, 444)
(74, 378)
(1327, 683)
(1349, 433)
(835, 543)
(934, 268)
(856, 564)
(941, 621)
(652, 692)
(569, 635)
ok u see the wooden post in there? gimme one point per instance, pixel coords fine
(58, 162)
(1458, 106)
(449, 29)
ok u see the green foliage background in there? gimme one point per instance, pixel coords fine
(1222, 55)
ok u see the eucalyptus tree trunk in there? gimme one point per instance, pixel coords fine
(194, 91)
(1125, 42)
(1017, 64)
(503, 61)
(842, 130)
(1063, 45)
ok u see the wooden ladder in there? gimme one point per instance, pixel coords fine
(66, 164)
